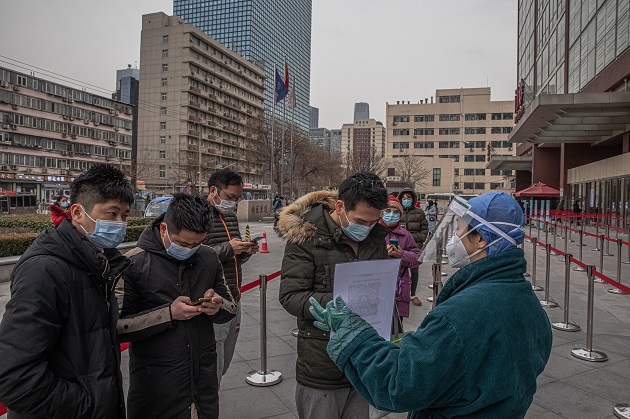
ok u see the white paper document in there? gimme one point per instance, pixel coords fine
(369, 289)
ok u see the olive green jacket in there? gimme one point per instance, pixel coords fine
(315, 244)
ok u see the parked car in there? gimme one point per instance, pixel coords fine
(157, 206)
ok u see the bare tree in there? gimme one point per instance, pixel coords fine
(412, 171)
(369, 160)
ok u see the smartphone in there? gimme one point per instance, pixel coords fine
(199, 301)
(255, 239)
(394, 242)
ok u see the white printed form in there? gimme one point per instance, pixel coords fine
(369, 289)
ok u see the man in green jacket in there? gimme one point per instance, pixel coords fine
(470, 357)
(321, 230)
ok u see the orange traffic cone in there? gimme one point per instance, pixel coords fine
(263, 246)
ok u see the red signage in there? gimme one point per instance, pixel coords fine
(519, 101)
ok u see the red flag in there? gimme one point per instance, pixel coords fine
(286, 72)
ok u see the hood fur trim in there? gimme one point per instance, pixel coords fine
(291, 224)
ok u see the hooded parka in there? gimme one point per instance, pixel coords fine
(315, 244)
(59, 349)
(414, 219)
(172, 363)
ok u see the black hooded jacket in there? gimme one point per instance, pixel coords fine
(414, 219)
(59, 353)
(172, 363)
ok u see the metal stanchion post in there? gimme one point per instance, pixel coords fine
(597, 234)
(569, 231)
(617, 290)
(588, 354)
(555, 227)
(601, 257)
(565, 325)
(607, 242)
(263, 377)
(566, 243)
(578, 268)
(546, 232)
(622, 410)
(442, 257)
(547, 303)
(530, 229)
(581, 243)
(628, 261)
(526, 274)
(534, 262)
(436, 269)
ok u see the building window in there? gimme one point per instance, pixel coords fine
(500, 130)
(456, 172)
(449, 117)
(162, 170)
(164, 53)
(449, 144)
(437, 175)
(423, 144)
(480, 186)
(423, 131)
(502, 116)
(391, 171)
(475, 130)
(401, 132)
(401, 118)
(400, 145)
(449, 99)
(164, 82)
(162, 154)
(163, 96)
(162, 125)
(164, 67)
(162, 111)
(469, 172)
(449, 131)
(163, 137)
(475, 117)
(424, 118)
(495, 185)
(165, 39)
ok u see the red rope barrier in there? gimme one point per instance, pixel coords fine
(578, 263)
(611, 282)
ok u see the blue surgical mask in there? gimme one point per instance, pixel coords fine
(391, 218)
(107, 234)
(407, 203)
(65, 204)
(356, 232)
(179, 252)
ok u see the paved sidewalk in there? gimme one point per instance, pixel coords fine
(568, 388)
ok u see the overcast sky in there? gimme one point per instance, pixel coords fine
(373, 51)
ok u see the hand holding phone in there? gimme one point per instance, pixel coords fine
(394, 242)
(255, 239)
(200, 301)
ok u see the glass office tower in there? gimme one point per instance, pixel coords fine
(264, 32)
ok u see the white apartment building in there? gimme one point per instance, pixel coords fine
(50, 133)
(199, 105)
(456, 133)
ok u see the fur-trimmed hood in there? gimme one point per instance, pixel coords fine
(292, 224)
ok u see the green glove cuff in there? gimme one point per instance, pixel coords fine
(350, 328)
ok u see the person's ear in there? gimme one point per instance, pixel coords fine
(339, 206)
(481, 242)
(76, 212)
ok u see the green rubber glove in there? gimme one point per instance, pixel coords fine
(329, 318)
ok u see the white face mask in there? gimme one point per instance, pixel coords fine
(224, 205)
(457, 254)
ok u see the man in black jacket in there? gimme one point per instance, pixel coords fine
(226, 189)
(170, 297)
(58, 345)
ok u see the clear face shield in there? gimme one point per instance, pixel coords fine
(432, 249)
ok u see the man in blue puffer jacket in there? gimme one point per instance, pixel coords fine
(478, 353)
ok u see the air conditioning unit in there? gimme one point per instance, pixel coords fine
(70, 100)
(64, 153)
(96, 123)
(44, 170)
(395, 123)
(14, 126)
(116, 113)
(111, 111)
(112, 143)
(65, 117)
(5, 167)
(65, 99)
(86, 121)
(510, 148)
(70, 153)
(15, 107)
(74, 136)
(72, 118)
(4, 84)
(29, 170)
(5, 126)
(206, 79)
(16, 87)
(14, 167)
(64, 135)
(472, 149)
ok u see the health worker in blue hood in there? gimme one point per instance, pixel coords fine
(478, 353)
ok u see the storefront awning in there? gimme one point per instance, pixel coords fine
(510, 163)
(574, 118)
(538, 190)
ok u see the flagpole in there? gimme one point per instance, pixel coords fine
(273, 125)
(293, 105)
(284, 119)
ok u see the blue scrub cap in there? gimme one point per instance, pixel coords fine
(498, 208)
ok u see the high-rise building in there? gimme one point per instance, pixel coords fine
(313, 117)
(126, 87)
(50, 133)
(320, 137)
(128, 91)
(200, 103)
(363, 145)
(265, 32)
(361, 111)
(455, 135)
(573, 102)
(335, 141)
